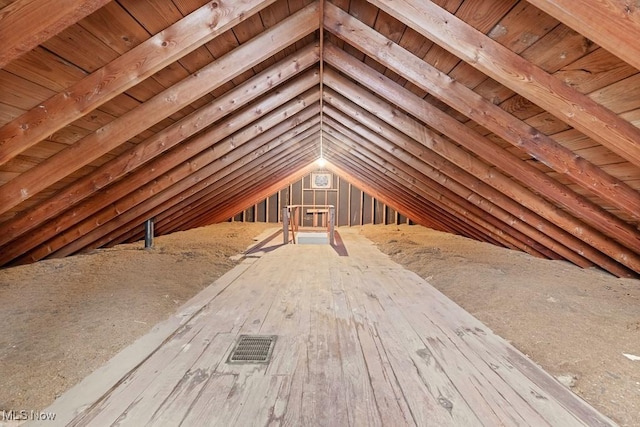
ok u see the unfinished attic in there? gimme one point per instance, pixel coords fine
(429, 129)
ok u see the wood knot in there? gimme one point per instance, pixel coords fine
(445, 403)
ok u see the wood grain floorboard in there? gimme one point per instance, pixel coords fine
(360, 342)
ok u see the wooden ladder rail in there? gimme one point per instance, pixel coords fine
(291, 220)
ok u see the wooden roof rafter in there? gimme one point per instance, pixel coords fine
(121, 74)
(348, 167)
(82, 234)
(287, 144)
(168, 138)
(410, 199)
(38, 22)
(460, 201)
(171, 171)
(251, 176)
(427, 121)
(208, 190)
(159, 107)
(486, 150)
(261, 185)
(297, 165)
(458, 179)
(518, 74)
(453, 210)
(613, 28)
(482, 111)
(485, 176)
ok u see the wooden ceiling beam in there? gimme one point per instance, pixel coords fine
(391, 181)
(166, 216)
(183, 162)
(397, 178)
(132, 229)
(507, 193)
(439, 194)
(209, 195)
(157, 108)
(446, 169)
(483, 147)
(28, 23)
(134, 66)
(463, 219)
(422, 209)
(579, 206)
(231, 192)
(163, 141)
(153, 195)
(250, 185)
(518, 74)
(347, 171)
(257, 186)
(288, 144)
(232, 187)
(460, 187)
(208, 187)
(614, 25)
(481, 110)
(219, 136)
(469, 188)
(236, 167)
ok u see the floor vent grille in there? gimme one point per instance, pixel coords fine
(253, 349)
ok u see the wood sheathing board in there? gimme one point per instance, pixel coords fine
(511, 122)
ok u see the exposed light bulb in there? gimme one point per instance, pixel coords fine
(321, 162)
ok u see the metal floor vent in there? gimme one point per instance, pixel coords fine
(253, 349)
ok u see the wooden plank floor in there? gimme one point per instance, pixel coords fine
(361, 342)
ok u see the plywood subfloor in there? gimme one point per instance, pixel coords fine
(361, 341)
